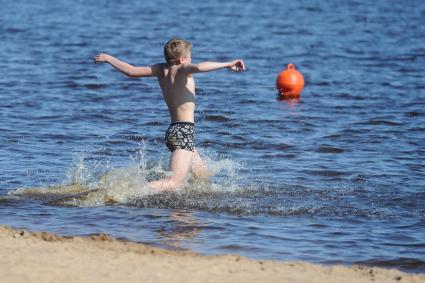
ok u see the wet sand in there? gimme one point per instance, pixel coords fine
(45, 257)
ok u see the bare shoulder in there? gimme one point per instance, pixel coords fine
(159, 66)
(189, 69)
(158, 69)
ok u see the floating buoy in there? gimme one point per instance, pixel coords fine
(290, 83)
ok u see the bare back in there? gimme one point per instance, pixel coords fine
(178, 90)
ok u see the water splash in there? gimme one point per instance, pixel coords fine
(95, 183)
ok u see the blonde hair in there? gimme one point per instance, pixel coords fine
(176, 48)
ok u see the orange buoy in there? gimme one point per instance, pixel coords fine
(290, 82)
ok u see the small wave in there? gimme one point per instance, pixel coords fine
(414, 114)
(329, 149)
(72, 85)
(216, 118)
(326, 173)
(383, 122)
(321, 83)
(95, 86)
(14, 30)
(407, 264)
(209, 197)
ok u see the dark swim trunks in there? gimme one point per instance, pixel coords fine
(180, 135)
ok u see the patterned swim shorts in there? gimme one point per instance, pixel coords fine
(180, 135)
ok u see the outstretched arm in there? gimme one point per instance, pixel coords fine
(127, 69)
(236, 65)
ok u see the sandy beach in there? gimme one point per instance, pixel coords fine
(45, 257)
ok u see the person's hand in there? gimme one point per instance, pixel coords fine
(101, 58)
(237, 66)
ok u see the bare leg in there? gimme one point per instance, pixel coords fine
(199, 169)
(180, 165)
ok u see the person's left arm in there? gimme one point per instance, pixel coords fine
(235, 65)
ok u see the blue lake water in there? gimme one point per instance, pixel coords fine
(336, 177)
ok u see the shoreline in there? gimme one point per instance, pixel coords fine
(46, 257)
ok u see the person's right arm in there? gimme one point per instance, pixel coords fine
(236, 65)
(127, 69)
